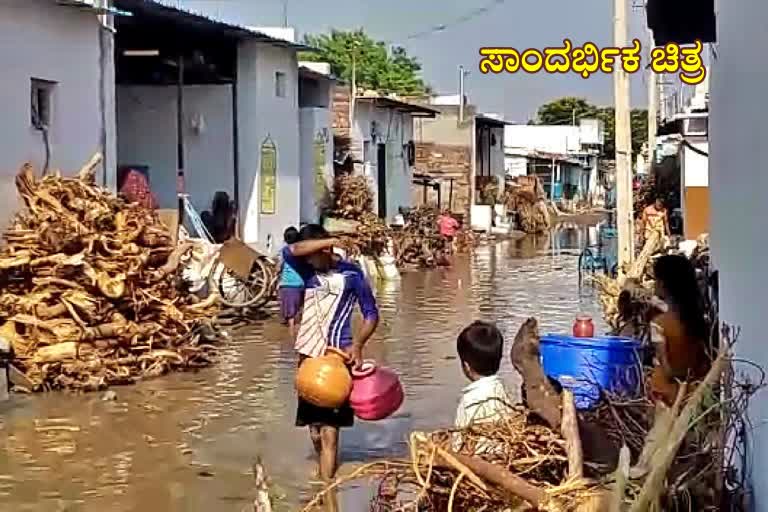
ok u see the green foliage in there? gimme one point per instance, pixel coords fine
(375, 67)
(567, 109)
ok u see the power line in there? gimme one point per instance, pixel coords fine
(464, 18)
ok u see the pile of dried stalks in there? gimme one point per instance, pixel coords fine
(352, 197)
(91, 288)
(547, 457)
(525, 195)
(419, 242)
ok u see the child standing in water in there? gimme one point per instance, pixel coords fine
(291, 291)
(333, 288)
(448, 227)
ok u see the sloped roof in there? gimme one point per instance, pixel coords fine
(172, 11)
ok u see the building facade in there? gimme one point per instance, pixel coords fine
(381, 134)
(461, 151)
(737, 180)
(564, 157)
(57, 65)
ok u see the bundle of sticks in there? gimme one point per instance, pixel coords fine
(352, 197)
(525, 195)
(92, 293)
(547, 456)
(419, 242)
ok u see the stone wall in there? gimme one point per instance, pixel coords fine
(443, 162)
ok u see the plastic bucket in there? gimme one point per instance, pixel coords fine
(589, 365)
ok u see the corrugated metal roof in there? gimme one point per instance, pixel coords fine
(173, 9)
(396, 104)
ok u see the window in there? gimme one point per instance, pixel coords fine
(280, 85)
(697, 126)
(41, 103)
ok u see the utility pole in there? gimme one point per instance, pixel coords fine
(462, 74)
(285, 13)
(624, 220)
(653, 105)
(354, 90)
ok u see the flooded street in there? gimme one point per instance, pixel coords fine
(186, 442)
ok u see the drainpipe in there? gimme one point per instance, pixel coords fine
(236, 151)
(180, 186)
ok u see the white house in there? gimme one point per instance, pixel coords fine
(575, 147)
(737, 137)
(206, 105)
(315, 137)
(57, 68)
(382, 139)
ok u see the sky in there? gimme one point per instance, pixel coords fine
(519, 24)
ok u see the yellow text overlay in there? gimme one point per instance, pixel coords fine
(588, 59)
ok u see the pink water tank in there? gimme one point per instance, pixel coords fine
(376, 392)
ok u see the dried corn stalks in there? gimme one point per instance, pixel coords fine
(92, 294)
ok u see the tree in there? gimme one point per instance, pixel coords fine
(565, 110)
(375, 67)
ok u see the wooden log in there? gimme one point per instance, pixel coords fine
(503, 479)
(570, 431)
(56, 353)
(541, 396)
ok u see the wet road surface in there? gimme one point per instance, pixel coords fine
(186, 442)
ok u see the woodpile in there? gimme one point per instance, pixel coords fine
(418, 242)
(352, 197)
(546, 456)
(525, 196)
(92, 294)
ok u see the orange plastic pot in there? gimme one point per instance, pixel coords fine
(325, 381)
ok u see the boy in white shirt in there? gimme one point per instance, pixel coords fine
(485, 399)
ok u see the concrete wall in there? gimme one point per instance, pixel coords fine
(444, 129)
(550, 139)
(738, 182)
(395, 130)
(516, 165)
(39, 39)
(315, 128)
(261, 115)
(146, 117)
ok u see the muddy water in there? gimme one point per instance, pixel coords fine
(186, 442)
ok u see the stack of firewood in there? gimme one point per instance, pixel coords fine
(92, 293)
(352, 197)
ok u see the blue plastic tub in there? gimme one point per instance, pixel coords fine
(589, 365)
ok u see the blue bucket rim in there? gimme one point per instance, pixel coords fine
(595, 342)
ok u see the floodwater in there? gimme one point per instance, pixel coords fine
(186, 442)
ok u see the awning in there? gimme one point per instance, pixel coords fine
(400, 106)
(88, 5)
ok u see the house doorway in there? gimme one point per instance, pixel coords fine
(381, 178)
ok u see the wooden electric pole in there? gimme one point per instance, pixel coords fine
(624, 218)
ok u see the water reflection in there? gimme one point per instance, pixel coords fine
(186, 442)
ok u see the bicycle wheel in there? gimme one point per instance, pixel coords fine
(586, 263)
(236, 292)
(269, 279)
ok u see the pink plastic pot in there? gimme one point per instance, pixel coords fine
(376, 392)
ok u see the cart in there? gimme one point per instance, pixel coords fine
(601, 257)
(243, 276)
